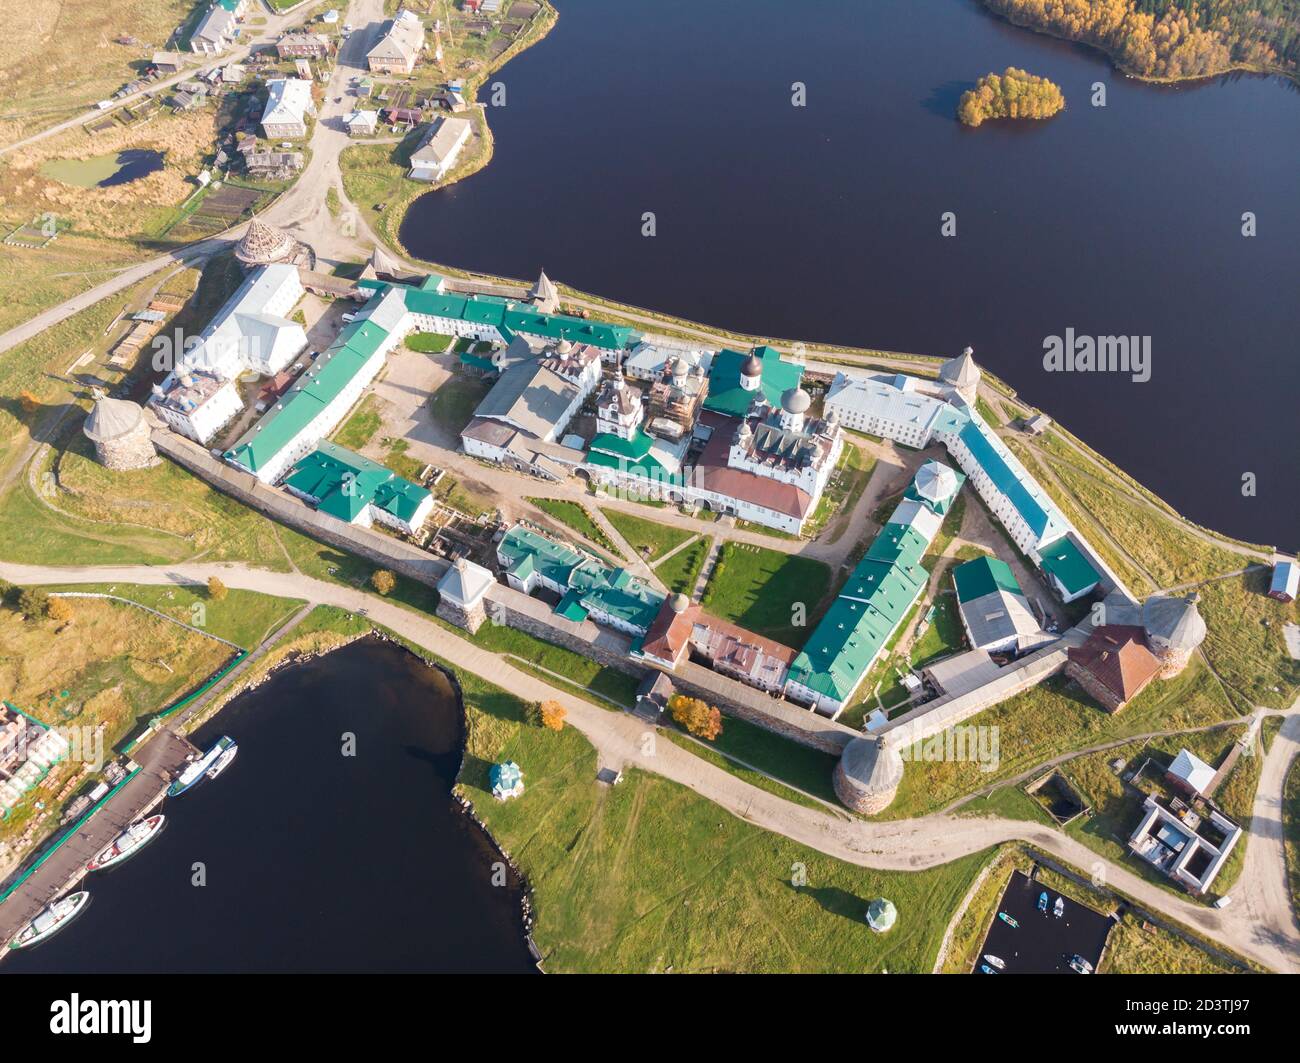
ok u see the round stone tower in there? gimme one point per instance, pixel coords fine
(867, 775)
(1174, 629)
(120, 433)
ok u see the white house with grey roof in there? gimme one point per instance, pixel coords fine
(219, 28)
(436, 156)
(288, 103)
(399, 45)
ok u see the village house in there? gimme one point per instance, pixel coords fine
(288, 103)
(437, 154)
(303, 46)
(399, 45)
(219, 28)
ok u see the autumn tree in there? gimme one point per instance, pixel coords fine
(383, 581)
(60, 610)
(698, 717)
(551, 714)
(216, 589)
(1011, 94)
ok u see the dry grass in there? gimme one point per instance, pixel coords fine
(58, 56)
(136, 208)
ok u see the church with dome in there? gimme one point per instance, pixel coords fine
(759, 452)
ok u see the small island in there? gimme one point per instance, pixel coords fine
(1012, 94)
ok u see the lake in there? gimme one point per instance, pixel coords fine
(314, 861)
(823, 222)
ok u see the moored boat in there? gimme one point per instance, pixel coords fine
(129, 841)
(1059, 910)
(1042, 902)
(197, 770)
(51, 919)
(995, 961)
(223, 761)
(1008, 920)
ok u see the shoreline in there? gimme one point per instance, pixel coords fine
(1148, 79)
(456, 794)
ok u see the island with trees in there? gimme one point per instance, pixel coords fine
(1012, 94)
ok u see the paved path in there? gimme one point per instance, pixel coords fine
(1259, 926)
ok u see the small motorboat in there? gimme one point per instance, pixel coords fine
(986, 969)
(1059, 910)
(995, 961)
(1078, 963)
(1008, 920)
(1042, 901)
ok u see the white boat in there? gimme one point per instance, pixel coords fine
(196, 771)
(223, 762)
(996, 961)
(51, 919)
(126, 843)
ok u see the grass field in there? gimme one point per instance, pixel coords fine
(1053, 718)
(944, 636)
(109, 667)
(361, 426)
(681, 572)
(759, 588)
(1244, 642)
(842, 491)
(649, 538)
(453, 404)
(428, 342)
(584, 672)
(78, 62)
(1291, 831)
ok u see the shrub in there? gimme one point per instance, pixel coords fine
(383, 581)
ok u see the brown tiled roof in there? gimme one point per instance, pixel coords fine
(669, 631)
(715, 475)
(1116, 656)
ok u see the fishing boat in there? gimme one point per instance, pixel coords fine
(1008, 920)
(1059, 910)
(223, 761)
(1042, 902)
(196, 770)
(126, 843)
(986, 969)
(50, 920)
(995, 961)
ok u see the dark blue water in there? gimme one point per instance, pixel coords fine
(823, 223)
(314, 861)
(133, 164)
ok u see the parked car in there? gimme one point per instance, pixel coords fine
(349, 318)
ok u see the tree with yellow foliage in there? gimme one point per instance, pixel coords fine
(698, 717)
(1012, 94)
(551, 715)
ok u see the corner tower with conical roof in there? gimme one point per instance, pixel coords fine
(121, 434)
(962, 375)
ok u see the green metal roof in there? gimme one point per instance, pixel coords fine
(647, 468)
(996, 461)
(345, 483)
(726, 396)
(855, 628)
(331, 373)
(982, 576)
(1064, 560)
(636, 447)
(899, 544)
(591, 586)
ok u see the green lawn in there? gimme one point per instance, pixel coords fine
(584, 672)
(454, 403)
(759, 588)
(1291, 831)
(428, 342)
(361, 427)
(574, 515)
(681, 571)
(842, 492)
(649, 538)
(944, 636)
